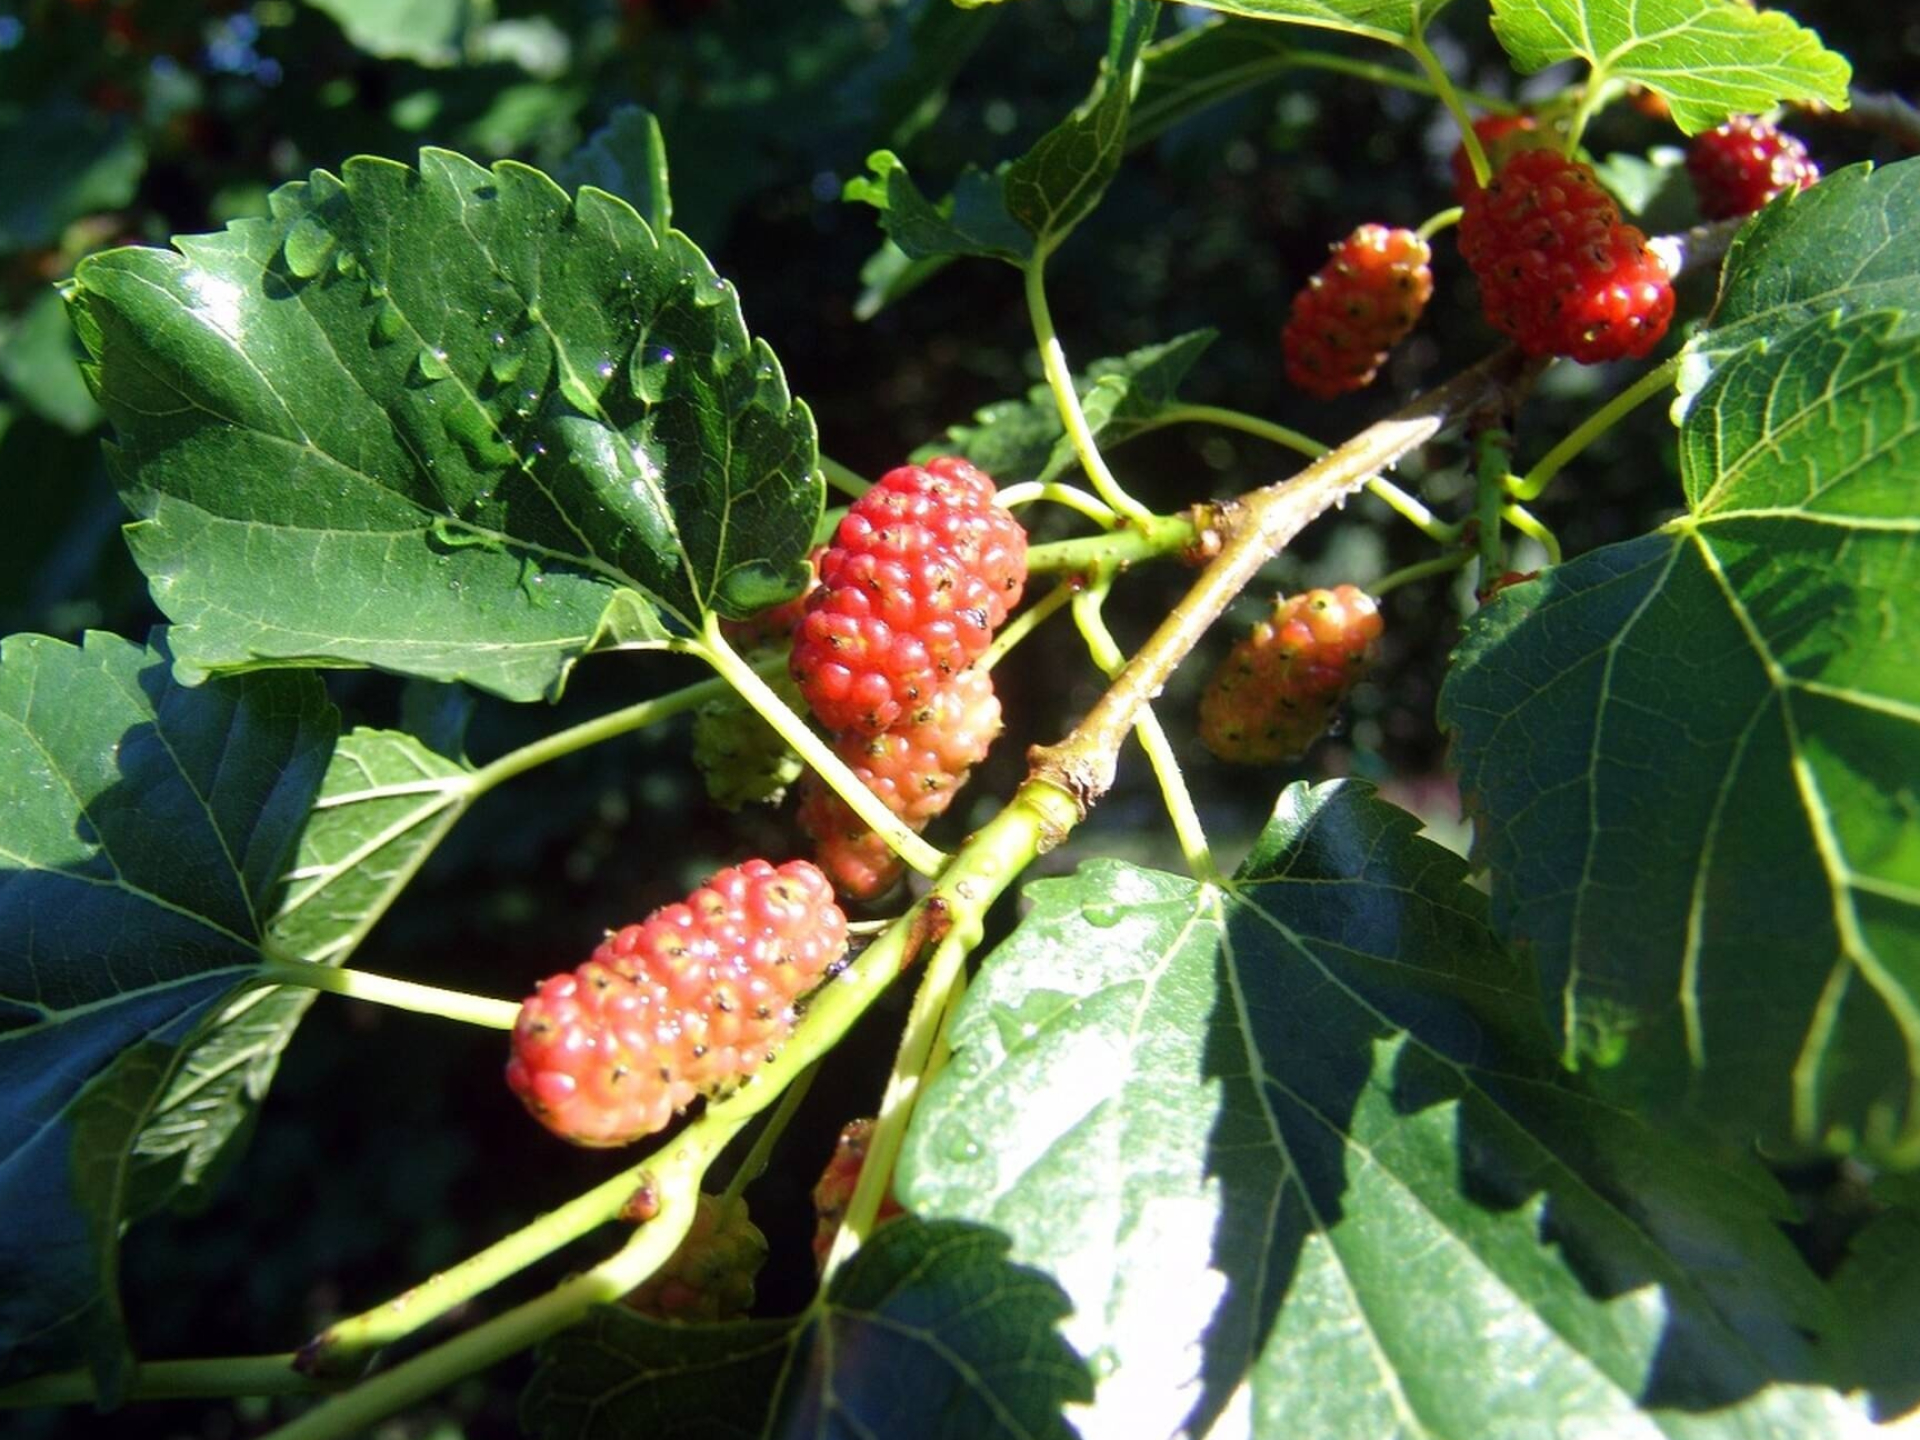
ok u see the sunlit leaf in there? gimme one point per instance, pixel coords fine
(448, 422)
(1293, 1148)
(148, 826)
(1690, 758)
(1707, 59)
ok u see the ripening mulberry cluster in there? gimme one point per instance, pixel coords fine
(1356, 308)
(686, 1003)
(1560, 273)
(710, 1277)
(1279, 687)
(837, 1184)
(1741, 165)
(922, 570)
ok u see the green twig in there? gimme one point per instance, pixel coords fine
(345, 1346)
(1591, 429)
(1386, 75)
(848, 482)
(356, 1410)
(1071, 496)
(1239, 420)
(388, 990)
(1440, 220)
(923, 857)
(217, 1377)
(1053, 360)
(1444, 90)
(1439, 565)
(1191, 835)
(754, 1163)
(1531, 526)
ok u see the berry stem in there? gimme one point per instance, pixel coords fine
(1187, 828)
(1220, 415)
(213, 1378)
(606, 727)
(1439, 565)
(388, 990)
(1531, 526)
(1439, 221)
(848, 482)
(1024, 624)
(921, 856)
(1381, 488)
(754, 1163)
(1536, 480)
(1444, 90)
(1053, 360)
(1071, 496)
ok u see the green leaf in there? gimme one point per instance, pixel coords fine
(1392, 21)
(1877, 1294)
(928, 1331)
(1288, 1146)
(58, 162)
(1122, 395)
(973, 220)
(1056, 184)
(427, 32)
(1691, 762)
(1178, 77)
(147, 828)
(386, 802)
(38, 363)
(1707, 59)
(1195, 69)
(1842, 245)
(626, 157)
(1026, 206)
(447, 422)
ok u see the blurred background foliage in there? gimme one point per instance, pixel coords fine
(389, 1146)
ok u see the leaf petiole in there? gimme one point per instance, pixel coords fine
(389, 990)
(1536, 480)
(1071, 496)
(1053, 360)
(713, 646)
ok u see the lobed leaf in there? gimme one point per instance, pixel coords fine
(447, 422)
(928, 1331)
(1289, 1146)
(1691, 762)
(1841, 246)
(1392, 21)
(148, 826)
(1023, 207)
(1707, 59)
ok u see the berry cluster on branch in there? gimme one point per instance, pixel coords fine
(687, 1003)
